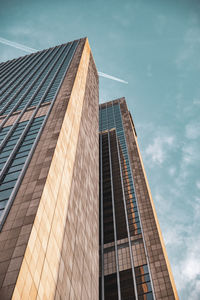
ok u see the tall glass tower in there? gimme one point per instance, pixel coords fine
(51, 219)
(49, 175)
(133, 260)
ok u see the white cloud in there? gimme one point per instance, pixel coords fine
(192, 130)
(172, 171)
(190, 48)
(196, 102)
(198, 184)
(190, 154)
(157, 151)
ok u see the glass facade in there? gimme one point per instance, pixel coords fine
(121, 277)
(27, 84)
(14, 169)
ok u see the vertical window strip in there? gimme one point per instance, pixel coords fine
(10, 178)
(114, 220)
(20, 176)
(55, 83)
(38, 90)
(16, 77)
(8, 77)
(120, 128)
(101, 214)
(13, 93)
(37, 83)
(135, 229)
(26, 106)
(10, 64)
(27, 83)
(115, 120)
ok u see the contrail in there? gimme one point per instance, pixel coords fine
(16, 45)
(31, 50)
(111, 77)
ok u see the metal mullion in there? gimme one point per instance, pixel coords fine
(24, 66)
(8, 64)
(145, 248)
(102, 227)
(7, 77)
(5, 63)
(28, 79)
(113, 210)
(25, 166)
(126, 215)
(9, 67)
(28, 103)
(34, 62)
(14, 151)
(24, 85)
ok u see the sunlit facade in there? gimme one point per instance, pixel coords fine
(48, 242)
(57, 145)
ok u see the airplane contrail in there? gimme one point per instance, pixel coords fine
(111, 77)
(16, 45)
(31, 50)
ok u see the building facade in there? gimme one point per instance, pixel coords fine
(133, 259)
(54, 230)
(49, 175)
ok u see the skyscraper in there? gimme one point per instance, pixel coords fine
(51, 219)
(49, 175)
(133, 259)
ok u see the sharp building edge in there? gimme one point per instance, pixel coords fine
(76, 216)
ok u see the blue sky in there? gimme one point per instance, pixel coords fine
(155, 46)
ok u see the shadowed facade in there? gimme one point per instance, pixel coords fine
(133, 259)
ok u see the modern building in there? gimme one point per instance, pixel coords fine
(133, 259)
(51, 219)
(49, 195)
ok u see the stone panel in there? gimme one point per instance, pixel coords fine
(72, 180)
(16, 230)
(79, 265)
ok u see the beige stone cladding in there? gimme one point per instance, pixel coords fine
(162, 277)
(34, 255)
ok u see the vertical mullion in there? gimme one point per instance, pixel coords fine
(7, 83)
(13, 88)
(40, 69)
(113, 209)
(17, 185)
(14, 71)
(145, 249)
(8, 162)
(25, 86)
(10, 64)
(102, 227)
(125, 211)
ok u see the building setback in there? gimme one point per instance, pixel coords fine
(49, 175)
(54, 230)
(133, 259)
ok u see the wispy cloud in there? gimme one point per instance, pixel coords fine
(192, 130)
(190, 154)
(198, 184)
(172, 171)
(190, 48)
(157, 151)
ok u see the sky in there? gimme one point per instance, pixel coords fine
(155, 46)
